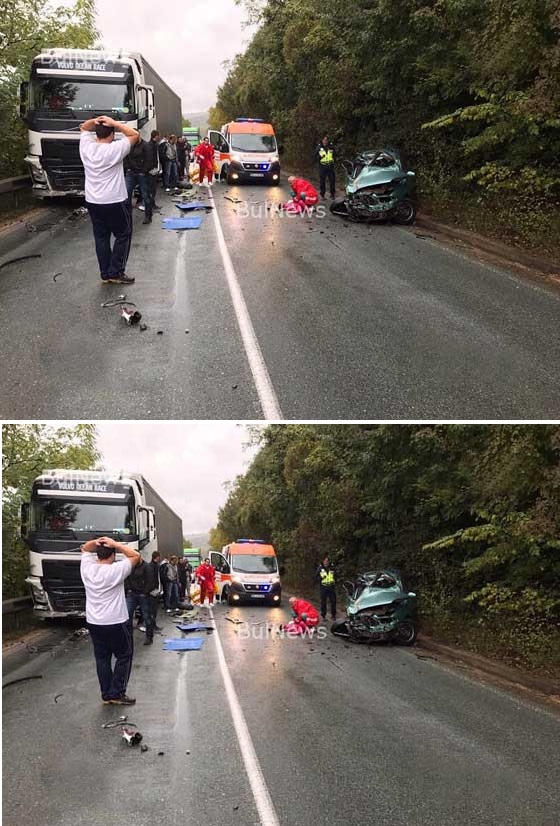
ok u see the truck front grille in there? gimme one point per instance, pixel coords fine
(62, 163)
(63, 583)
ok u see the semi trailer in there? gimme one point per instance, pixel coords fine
(69, 86)
(69, 507)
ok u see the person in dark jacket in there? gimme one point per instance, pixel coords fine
(153, 173)
(181, 156)
(325, 576)
(137, 165)
(154, 586)
(182, 574)
(137, 592)
(163, 579)
(325, 155)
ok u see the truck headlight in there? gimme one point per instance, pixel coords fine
(38, 174)
(38, 594)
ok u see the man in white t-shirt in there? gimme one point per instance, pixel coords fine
(106, 195)
(107, 614)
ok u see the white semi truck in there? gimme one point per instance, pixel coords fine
(67, 508)
(68, 86)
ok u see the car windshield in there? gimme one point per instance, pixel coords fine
(58, 95)
(249, 142)
(56, 516)
(254, 564)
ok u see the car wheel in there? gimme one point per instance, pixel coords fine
(405, 633)
(340, 628)
(405, 212)
(338, 207)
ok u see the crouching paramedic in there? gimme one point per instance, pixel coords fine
(304, 195)
(107, 615)
(304, 613)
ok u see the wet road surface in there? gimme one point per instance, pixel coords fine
(257, 728)
(330, 321)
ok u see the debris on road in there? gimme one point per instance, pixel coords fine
(181, 223)
(77, 213)
(81, 632)
(233, 200)
(143, 327)
(55, 276)
(56, 696)
(417, 234)
(194, 205)
(130, 315)
(143, 747)
(161, 753)
(132, 737)
(195, 626)
(21, 258)
(192, 644)
(23, 680)
(114, 723)
(116, 302)
(235, 620)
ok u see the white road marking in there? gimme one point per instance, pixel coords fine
(259, 370)
(265, 807)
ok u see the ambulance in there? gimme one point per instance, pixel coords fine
(247, 571)
(246, 150)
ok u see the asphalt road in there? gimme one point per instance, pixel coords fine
(328, 320)
(261, 729)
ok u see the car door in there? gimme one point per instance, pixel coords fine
(223, 571)
(221, 150)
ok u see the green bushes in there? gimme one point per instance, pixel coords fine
(469, 512)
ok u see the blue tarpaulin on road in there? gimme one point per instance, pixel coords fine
(194, 205)
(192, 644)
(181, 223)
(194, 626)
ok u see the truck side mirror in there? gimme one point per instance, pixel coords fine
(23, 96)
(23, 519)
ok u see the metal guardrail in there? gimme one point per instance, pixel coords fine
(14, 186)
(13, 606)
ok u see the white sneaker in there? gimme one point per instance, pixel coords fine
(168, 190)
(168, 611)
(142, 628)
(142, 208)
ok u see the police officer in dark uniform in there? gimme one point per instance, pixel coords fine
(326, 577)
(325, 155)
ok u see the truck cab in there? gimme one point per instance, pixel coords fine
(246, 150)
(70, 507)
(247, 571)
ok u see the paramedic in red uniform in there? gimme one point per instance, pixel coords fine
(304, 613)
(204, 154)
(206, 575)
(304, 195)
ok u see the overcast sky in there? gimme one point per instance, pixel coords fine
(186, 462)
(186, 41)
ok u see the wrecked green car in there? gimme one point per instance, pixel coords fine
(379, 188)
(379, 609)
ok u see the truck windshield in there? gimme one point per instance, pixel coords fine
(253, 564)
(247, 142)
(56, 95)
(56, 516)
